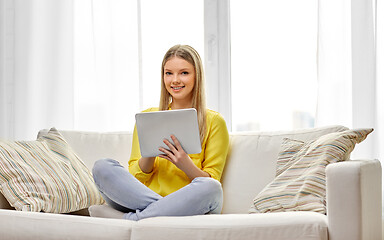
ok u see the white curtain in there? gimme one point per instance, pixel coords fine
(107, 82)
(78, 64)
(380, 85)
(380, 80)
(347, 69)
(69, 65)
(351, 70)
(36, 66)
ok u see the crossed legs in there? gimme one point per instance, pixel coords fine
(130, 199)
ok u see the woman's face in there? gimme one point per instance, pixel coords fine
(179, 79)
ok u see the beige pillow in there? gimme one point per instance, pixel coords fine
(45, 175)
(300, 176)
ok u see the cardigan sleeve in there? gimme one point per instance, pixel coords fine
(216, 147)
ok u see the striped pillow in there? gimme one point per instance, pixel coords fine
(45, 175)
(300, 176)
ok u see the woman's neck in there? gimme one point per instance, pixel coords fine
(181, 104)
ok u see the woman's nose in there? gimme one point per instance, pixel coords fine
(175, 78)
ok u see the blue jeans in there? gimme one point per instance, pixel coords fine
(122, 191)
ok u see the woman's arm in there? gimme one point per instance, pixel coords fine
(216, 146)
(146, 164)
(141, 168)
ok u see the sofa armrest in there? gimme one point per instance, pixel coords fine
(354, 200)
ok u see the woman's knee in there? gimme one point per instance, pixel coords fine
(210, 186)
(212, 191)
(101, 168)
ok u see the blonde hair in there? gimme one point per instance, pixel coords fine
(190, 55)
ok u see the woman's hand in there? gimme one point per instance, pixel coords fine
(180, 158)
(176, 154)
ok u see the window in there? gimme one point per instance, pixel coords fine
(273, 58)
(105, 65)
(119, 46)
(164, 24)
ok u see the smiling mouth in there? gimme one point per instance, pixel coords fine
(177, 88)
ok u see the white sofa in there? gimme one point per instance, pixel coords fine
(353, 198)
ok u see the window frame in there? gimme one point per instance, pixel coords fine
(218, 57)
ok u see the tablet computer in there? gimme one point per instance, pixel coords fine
(154, 127)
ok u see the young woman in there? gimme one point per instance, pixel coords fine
(174, 183)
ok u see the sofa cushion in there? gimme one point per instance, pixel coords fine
(300, 182)
(49, 226)
(92, 146)
(273, 226)
(251, 163)
(45, 175)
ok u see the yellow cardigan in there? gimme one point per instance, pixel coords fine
(166, 178)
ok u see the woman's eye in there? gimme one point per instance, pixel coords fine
(168, 73)
(184, 73)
